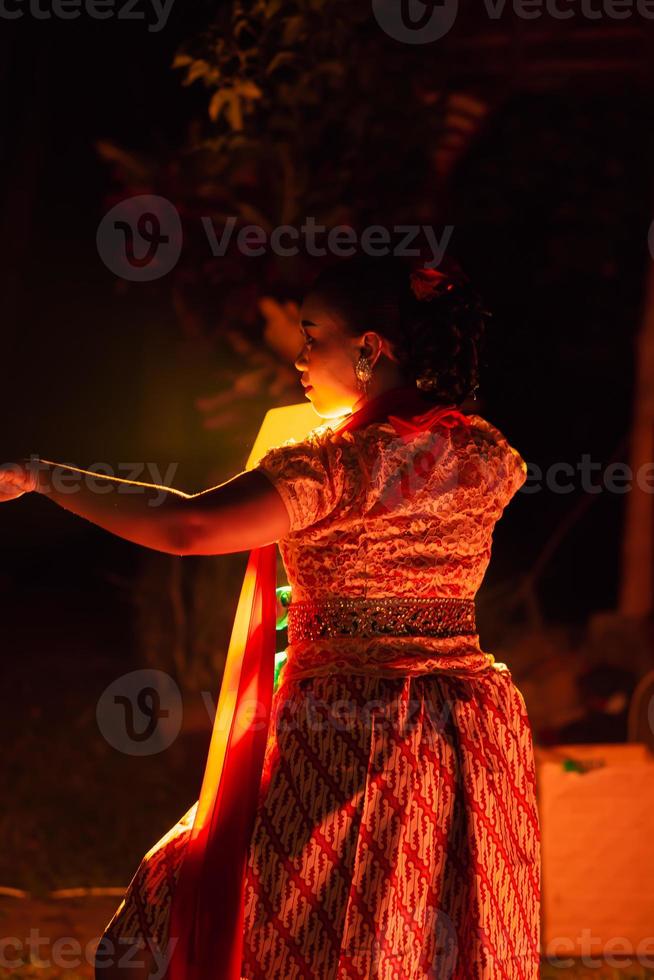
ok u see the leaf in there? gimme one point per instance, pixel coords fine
(249, 89)
(227, 100)
(217, 104)
(331, 68)
(234, 112)
(273, 7)
(136, 166)
(281, 59)
(292, 30)
(197, 70)
(245, 34)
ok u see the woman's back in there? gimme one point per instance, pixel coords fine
(378, 513)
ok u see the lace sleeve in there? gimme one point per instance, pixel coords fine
(517, 471)
(311, 477)
(444, 470)
(488, 463)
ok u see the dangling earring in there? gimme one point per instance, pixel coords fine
(474, 392)
(363, 371)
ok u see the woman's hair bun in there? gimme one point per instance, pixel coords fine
(433, 317)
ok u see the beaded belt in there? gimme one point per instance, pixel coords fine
(386, 616)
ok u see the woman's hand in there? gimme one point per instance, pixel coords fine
(15, 480)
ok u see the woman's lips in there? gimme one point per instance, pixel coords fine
(308, 388)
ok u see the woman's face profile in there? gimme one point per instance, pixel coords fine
(327, 358)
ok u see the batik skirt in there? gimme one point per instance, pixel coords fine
(396, 836)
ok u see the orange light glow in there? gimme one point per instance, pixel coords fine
(281, 424)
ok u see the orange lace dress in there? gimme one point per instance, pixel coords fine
(397, 831)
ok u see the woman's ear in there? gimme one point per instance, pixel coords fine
(372, 345)
(369, 345)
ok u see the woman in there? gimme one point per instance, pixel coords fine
(396, 830)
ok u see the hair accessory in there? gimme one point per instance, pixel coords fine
(428, 381)
(428, 282)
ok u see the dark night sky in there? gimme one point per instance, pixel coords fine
(72, 84)
(77, 355)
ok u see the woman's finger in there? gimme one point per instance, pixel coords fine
(17, 476)
(9, 492)
(7, 470)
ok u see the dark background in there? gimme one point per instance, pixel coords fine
(551, 206)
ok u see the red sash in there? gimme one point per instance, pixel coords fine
(206, 919)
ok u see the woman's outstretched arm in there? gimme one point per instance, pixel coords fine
(243, 513)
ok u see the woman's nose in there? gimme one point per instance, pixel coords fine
(300, 361)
